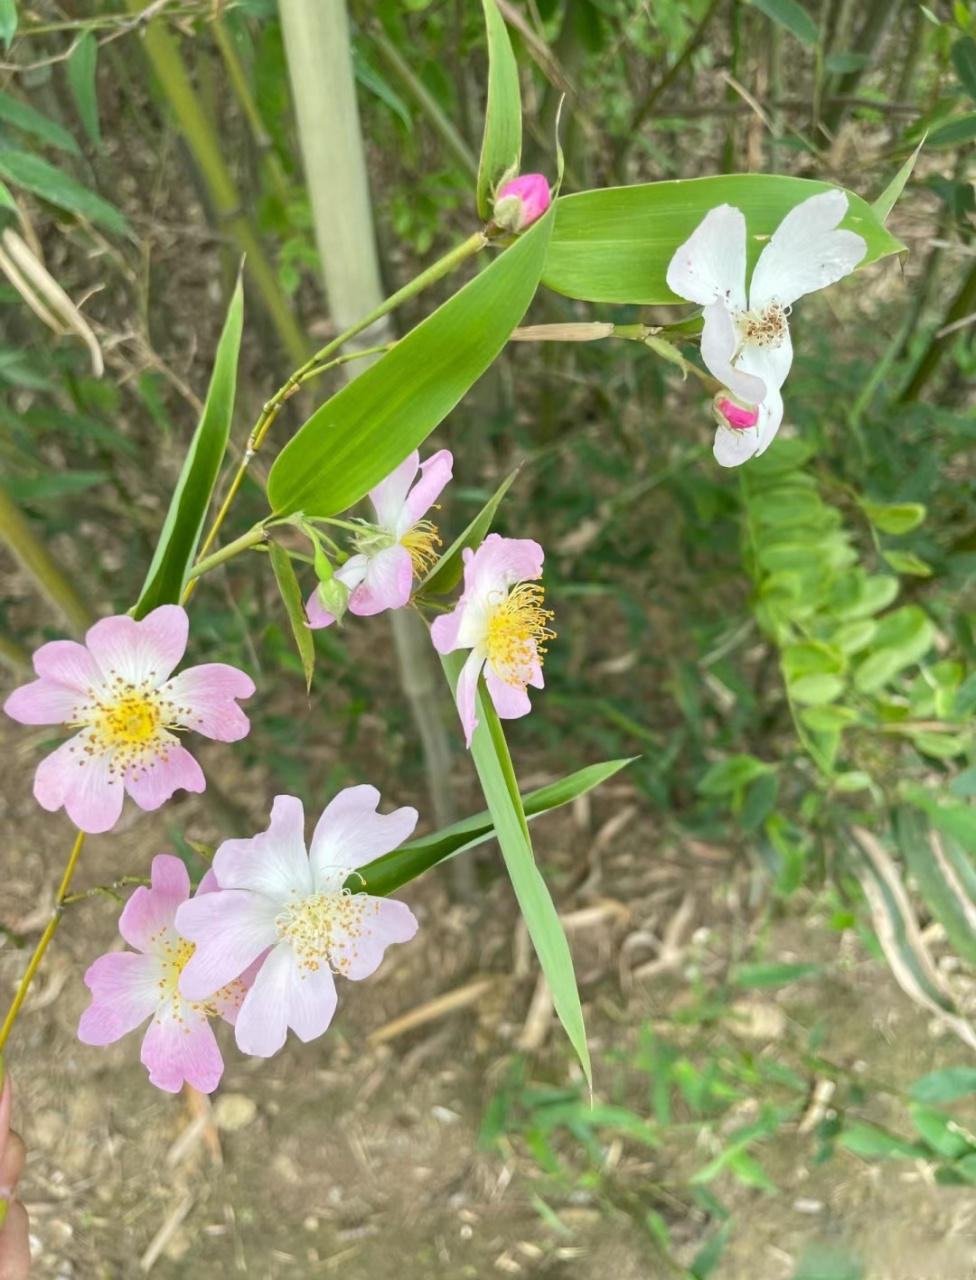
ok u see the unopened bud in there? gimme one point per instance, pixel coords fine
(521, 202)
(334, 598)
(323, 565)
(730, 414)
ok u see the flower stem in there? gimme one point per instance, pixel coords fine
(44, 940)
(250, 539)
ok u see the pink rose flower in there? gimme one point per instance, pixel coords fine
(278, 901)
(401, 543)
(116, 689)
(521, 202)
(130, 986)
(501, 619)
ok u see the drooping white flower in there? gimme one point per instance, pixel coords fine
(745, 342)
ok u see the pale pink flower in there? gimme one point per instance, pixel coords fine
(401, 543)
(501, 619)
(521, 202)
(130, 986)
(116, 689)
(277, 899)
(746, 345)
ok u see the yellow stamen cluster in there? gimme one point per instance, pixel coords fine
(176, 951)
(421, 542)
(517, 631)
(766, 328)
(321, 927)
(130, 723)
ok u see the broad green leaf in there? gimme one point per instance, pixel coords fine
(959, 129)
(8, 21)
(889, 197)
(387, 874)
(944, 1086)
(82, 66)
(501, 148)
(893, 517)
(759, 975)
(902, 638)
(792, 16)
(36, 125)
(22, 169)
(359, 436)
(291, 598)
(964, 61)
(615, 245)
(728, 776)
(446, 573)
(899, 935)
(180, 537)
(489, 754)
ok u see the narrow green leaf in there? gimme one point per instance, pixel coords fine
(759, 975)
(945, 1086)
(791, 16)
(8, 21)
(615, 245)
(6, 199)
(934, 861)
(501, 148)
(82, 66)
(489, 753)
(940, 1132)
(872, 1143)
(387, 874)
(710, 1254)
(729, 776)
(291, 598)
(24, 117)
(22, 169)
(964, 61)
(889, 197)
(959, 129)
(907, 562)
(359, 436)
(446, 573)
(180, 536)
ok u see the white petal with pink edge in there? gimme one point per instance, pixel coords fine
(44, 702)
(180, 1047)
(152, 783)
(384, 921)
(436, 472)
(125, 992)
(262, 1023)
(273, 863)
(230, 929)
(205, 698)
(390, 495)
(351, 833)
(92, 797)
(140, 652)
(151, 911)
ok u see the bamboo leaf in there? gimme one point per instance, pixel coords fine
(291, 598)
(446, 573)
(180, 536)
(359, 436)
(791, 16)
(387, 874)
(501, 147)
(889, 197)
(964, 61)
(22, 169)
(82, 66)
(615, 245)
(939, 869)
(489, 753)
(959, 129)
(8, 21)
(900, 938)
(24, 117)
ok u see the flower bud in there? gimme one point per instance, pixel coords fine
(520, 202)
(323, 565)
(334, 598)
(738, 417)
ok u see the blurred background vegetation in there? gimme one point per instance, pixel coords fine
(789, 649)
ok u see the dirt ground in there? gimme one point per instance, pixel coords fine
(362, 1159)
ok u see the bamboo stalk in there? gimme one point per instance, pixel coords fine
(164, 54)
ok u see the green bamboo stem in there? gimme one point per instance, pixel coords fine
(36, 560)
(164, 54)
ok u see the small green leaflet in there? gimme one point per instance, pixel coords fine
(792, 16)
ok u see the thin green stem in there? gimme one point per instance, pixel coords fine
(253, 536)
(44, 940)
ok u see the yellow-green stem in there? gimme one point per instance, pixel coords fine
(44, 940)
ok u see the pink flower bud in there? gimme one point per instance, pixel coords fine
(737, 416)
(520, 202)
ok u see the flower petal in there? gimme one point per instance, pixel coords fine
(230, 929)
(148, 919)
(262, 1023)
(769, 365)
(718, 343)
(732, 448)
(436, 471)
(352, 574)
(152, 783)
(386, 583)
(180, 1047)
(711, 264)
(205, 697)
(66, 662)
(467, 688)
(351, 833)
(125, 992)
(273, 863)
(445, 628)
(389, 496)
(806, 252)
(770, 417)
(511, 700)
(311, 1002)
(385, 920)
(140, 651)
(44, 702)
(501, 562)
(91, 795)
